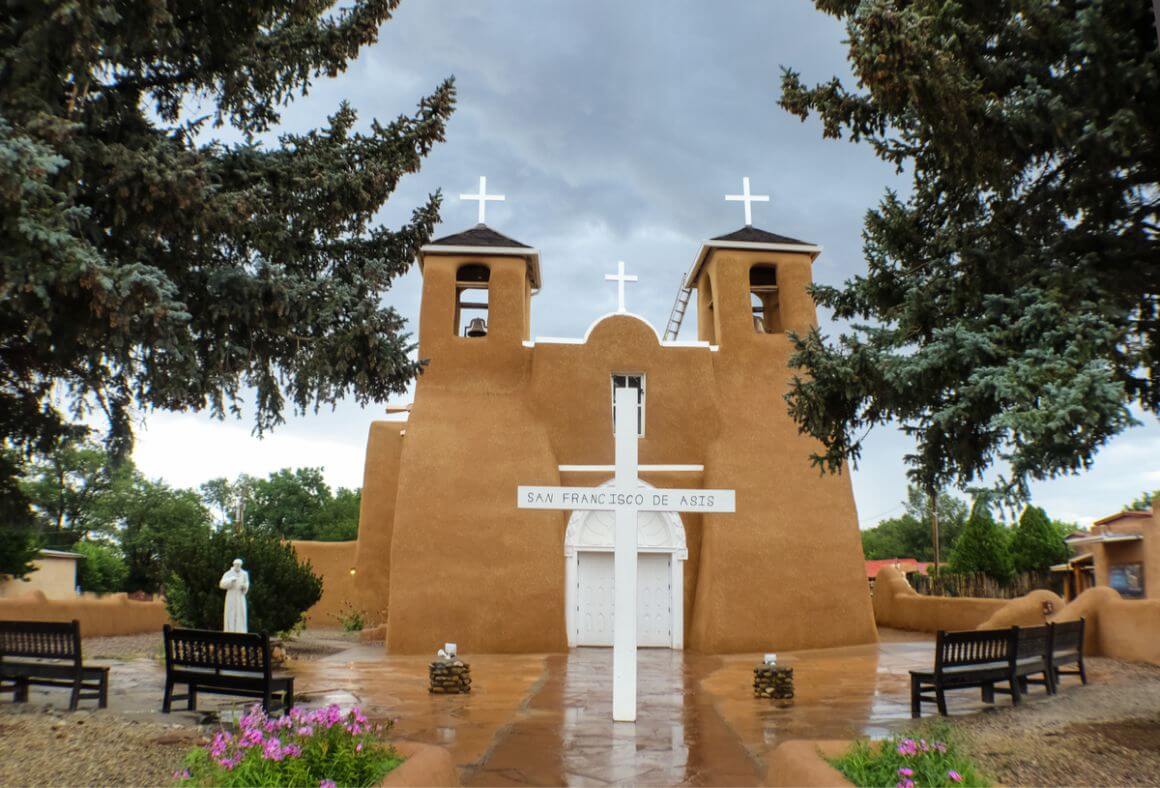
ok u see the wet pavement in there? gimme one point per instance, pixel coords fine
(546, 719)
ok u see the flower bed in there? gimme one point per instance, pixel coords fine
(324, 747)
(907, 763)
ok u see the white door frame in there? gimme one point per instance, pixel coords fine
(588, 533)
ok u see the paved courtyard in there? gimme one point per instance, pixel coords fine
(546, 719)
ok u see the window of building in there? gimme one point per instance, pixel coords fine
(763, 299)
(630, 381)
(471, 291)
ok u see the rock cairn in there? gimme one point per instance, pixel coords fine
(771, 681)
(449, 676)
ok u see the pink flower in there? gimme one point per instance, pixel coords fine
(272, 750)
(938, 745)
(292, 751)
(328, 784)
(358, 747)
(306, 730)
(181, 775)
(905, 772)
(907, 747)
(955, 776)
(251, 738)
(907, 783)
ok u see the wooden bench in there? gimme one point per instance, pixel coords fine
(1032, 647)
(1067, 649)
(48, 654)
(962, 660)
(222, 663)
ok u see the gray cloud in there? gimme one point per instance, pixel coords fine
(614, 128)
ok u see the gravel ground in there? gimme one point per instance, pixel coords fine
(124, 647)
(82, 748)
(1105, 733)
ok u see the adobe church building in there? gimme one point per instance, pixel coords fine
(443, 552)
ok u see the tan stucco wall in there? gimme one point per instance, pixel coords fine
(332, 561)
(113, 614)
(1146, 551)
(1114, 627)
(803, 763)
(445, 552)
(55, 577)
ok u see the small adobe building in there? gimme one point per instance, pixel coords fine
(443, 552)
(1121, 551)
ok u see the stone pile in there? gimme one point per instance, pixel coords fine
(770, 681)
(449, 676)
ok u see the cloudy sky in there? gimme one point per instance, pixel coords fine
(614, 129)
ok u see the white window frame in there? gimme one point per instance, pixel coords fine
(640, 403)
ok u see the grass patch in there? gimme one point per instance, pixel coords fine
(910, 761)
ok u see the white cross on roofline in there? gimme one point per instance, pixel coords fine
(748, 199)
(620, 278)
(483, 198)
(626, 498)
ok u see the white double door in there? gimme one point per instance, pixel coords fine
(594, 595)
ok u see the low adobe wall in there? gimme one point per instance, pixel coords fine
(898, 605)
(1115, 627)
(333, 562)
(112, 614)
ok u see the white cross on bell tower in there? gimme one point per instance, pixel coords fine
(620, 278)
(748, 199)
(483, 198)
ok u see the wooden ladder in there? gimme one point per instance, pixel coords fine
(673, 327)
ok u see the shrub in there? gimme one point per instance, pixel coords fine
(907, 763)
(282, 588)
(982, 546)
(317, 748)
(1036, 544)
(102, 570)
(351, 618)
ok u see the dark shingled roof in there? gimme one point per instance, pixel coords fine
(752, 235)
(479, 235)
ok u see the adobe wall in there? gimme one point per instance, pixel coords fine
(1114, 627)
(112, 614)
(899, 606)
(55, 577)
(332, 561)
(376, 521)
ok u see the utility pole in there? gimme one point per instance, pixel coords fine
(934, 515)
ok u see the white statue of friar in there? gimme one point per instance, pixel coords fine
(236, 582)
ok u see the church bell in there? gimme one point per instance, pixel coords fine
(477, 327)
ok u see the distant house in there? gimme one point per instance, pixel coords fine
(55, 576)
(1121, 551)
(903, 565)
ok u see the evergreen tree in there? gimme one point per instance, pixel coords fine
(145, 265)
(983, 545)
(1036, 543)
(102, 570)
(1143, 503)
(1011, 309)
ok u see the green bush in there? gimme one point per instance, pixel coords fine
(102, 570)
(282, 588)
(324, 747)
(351, 618)
(907, 762)
(983, 546)
(1036, 544)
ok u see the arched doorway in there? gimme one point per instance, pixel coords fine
(588, 581)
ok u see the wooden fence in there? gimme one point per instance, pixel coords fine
(979, 585)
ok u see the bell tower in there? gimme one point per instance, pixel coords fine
(476, 305)
(752, 284)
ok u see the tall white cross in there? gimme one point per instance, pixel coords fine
(626, 498)
(483, 198)
(620, 278)
(748, 199)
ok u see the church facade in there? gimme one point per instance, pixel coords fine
(443, 552)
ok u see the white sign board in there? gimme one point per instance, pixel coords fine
(639, 499)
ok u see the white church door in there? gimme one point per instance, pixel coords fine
(594, 595)
(660, 595)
